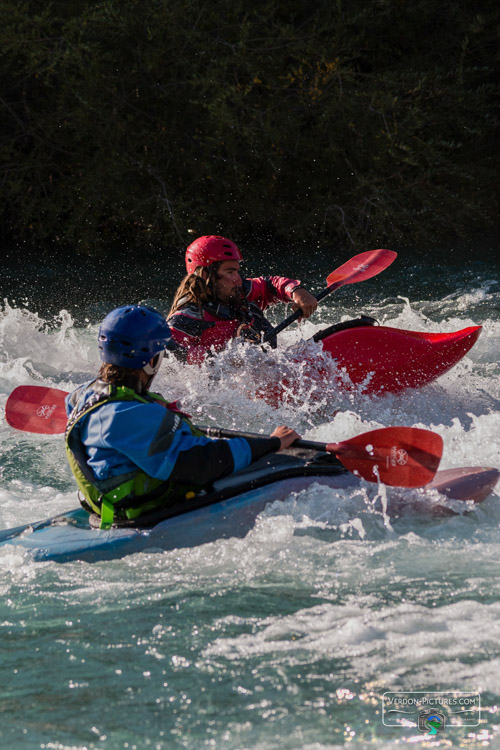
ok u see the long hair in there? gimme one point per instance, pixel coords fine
(121, 376)
(196, 288)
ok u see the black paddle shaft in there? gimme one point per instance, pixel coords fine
(218, 432)
(294, 316)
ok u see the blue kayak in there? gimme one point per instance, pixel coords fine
(228, 509)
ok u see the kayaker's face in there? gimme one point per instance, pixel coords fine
(228, 281)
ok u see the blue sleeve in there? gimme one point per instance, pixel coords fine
(120, 435)
(242, 455)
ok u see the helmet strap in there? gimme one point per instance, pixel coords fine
(152, 367)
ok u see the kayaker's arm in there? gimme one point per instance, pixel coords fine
(163, 445)
(217, 459)
(269, 290)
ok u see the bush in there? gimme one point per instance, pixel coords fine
(132, 122)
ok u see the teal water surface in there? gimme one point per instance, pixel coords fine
(289, 637)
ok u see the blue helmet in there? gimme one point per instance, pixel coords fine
(131, 335)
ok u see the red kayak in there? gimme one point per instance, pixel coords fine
(388, 360)
(376, 359)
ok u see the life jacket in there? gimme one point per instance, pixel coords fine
(127, 495)
(248, 314)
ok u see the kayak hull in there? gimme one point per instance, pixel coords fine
(380, 359)
(228, 511)
(371, 360)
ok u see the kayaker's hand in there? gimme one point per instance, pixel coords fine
(304, 300)
(286, 435)
(245, 332)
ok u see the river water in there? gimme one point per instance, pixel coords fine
(290, 636)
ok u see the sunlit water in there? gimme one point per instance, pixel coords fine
(289, 637)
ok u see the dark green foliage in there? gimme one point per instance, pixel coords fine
(131, 122)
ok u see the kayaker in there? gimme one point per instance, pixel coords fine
(213, 304)
(129, 449)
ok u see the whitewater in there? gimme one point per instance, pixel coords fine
(291, 636)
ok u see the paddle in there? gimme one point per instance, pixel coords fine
(399, 456)
(359, 268)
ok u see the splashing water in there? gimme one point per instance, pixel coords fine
(291, 635)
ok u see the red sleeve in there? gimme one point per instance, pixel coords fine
(269, 290)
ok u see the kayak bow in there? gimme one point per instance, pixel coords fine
(372, 360)
(388, 360)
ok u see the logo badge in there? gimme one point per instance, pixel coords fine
(431, 721)
(45, 411)
(431, 711)
(399, 457)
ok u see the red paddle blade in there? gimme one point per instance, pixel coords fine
(34, 408)
(362, 267)
(397, 456)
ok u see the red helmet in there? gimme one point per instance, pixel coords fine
(209, 249)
